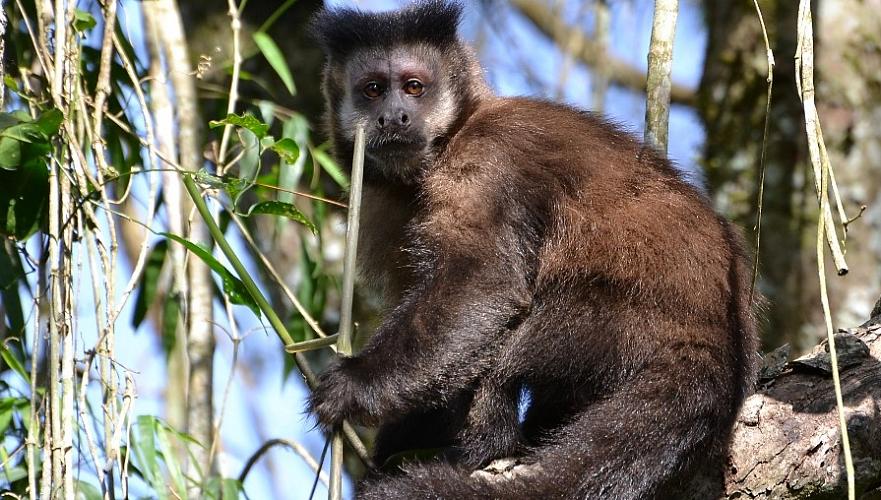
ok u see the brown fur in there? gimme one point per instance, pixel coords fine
(534, 247)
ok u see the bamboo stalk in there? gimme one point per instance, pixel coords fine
(344, 342)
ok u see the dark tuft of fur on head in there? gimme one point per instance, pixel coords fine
(339, 31)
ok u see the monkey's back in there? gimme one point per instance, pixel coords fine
(626, 258)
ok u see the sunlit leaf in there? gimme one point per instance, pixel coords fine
(330, 166)
(171, 463)
(276, 59)
(246, 121)
(13, 474)
(249, 164)
(143, 443)
(87, 491)
(232, 286)
(83, 21)
(287, 149)
(14, 363)
(283, 209)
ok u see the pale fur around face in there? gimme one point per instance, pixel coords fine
(437, 115)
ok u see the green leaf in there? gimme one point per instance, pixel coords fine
(170, 319)
(236, 187)
(21, 115)
(13, 474)
(144, 445)
(287, 149)
(86, 491)
(24, 148)
(10, 153)
(246, 121)
(14, 363)
(276, 59)
(11, 274)
(283, 209)
(171, 463)
(50, 122)
(289, 173)
(83, 21)
(233, 186)
(232, 286)
(7, 406)
(209, 180)
(330, 166)
(11, 83)
(121, 162)
(26, 132)
(8, 119)
(220, 488)
(24, 200)
(249, 164)
(149, 282)
(231, 488)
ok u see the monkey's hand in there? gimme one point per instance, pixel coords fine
(341, 394)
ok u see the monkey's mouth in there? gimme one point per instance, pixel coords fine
(385, 145)
(394, 141)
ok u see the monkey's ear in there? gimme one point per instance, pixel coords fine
(339, 31)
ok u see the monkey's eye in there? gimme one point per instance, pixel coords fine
(414, 88)
(372, 90)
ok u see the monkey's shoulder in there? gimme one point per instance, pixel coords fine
(524, 122)
(544, 140)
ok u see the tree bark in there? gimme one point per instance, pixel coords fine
(786, 441)
(660, 67)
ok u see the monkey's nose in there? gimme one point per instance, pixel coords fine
(393, 121)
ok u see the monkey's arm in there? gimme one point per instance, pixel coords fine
(441, 338)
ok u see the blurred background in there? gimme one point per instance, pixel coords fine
(211, 385)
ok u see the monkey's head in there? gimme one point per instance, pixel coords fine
(404, 76)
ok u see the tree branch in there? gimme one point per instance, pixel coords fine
(786, 443)
(591, 53)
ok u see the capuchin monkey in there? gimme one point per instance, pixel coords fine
(531, 254)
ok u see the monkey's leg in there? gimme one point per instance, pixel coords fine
(632, 442)
(492, 427)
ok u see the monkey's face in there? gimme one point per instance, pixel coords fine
(404, 101)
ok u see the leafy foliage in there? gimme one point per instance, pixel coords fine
(25, 146)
